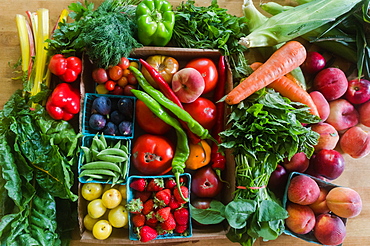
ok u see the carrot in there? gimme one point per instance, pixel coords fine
(289, 56)
(290, 89)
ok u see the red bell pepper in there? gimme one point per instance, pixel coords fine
(64, 102)
(67, 69)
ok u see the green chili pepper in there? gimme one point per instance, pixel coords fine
(182, 148)
(155, 22)
(183, 115)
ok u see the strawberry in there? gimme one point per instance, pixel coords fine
(135, 206)
(169, 225)
(138, 184)
(143, 195)
(147, 233)
(177, 195)
(151, 218)
(138, 220)
(148, 206)
(163, 214)
(174, 204)
(155, 184)
(152, 225)
(181, 228)
(181, 216)
(162, 197)
(170, 183)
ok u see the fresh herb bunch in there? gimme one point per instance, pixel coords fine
(212, 28)
(105, 34)
(264, 129)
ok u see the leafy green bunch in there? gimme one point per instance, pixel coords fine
(105, 34)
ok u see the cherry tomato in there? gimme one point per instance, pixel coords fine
(202, 110)
(127, 90)
(134, 64)
(148, 121)
(208, 70)
(100, 75)
(109, 85)
(131, 79)
(118, 90)
(115, 73)
(124, 63)
(122, 81)
(100, 89)
(152, 154)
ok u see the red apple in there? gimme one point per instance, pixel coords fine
(358, 91)
(326, 163)
(298, 163)
(188, 84)
(343, 114)
(314, 62)
(331, 82)
(205, 183)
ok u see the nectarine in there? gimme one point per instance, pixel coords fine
(343, 114)
(355, 142)
(331, 82)
(344, 202)
(303, 190)
(329, 229)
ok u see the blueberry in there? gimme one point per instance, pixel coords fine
(125, 128)
(101, 105)
(97, 122)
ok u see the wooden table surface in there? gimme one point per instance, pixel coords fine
(355, 176)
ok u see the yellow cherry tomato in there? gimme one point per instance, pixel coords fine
(199, 156)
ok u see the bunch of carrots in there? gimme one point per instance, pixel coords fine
(272, 74)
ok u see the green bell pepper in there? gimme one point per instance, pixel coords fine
(155, 20)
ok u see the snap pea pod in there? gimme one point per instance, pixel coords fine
(182, 148)
(183, 115)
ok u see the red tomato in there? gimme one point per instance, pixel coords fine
(148, 121)
(115, 73)
(202, 110)
(118, 90)
(124, 63)
(131, 79)
(152, 154)
(208, 70)
(127, 90)
(109, 85)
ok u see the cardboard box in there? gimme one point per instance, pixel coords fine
(121, 236)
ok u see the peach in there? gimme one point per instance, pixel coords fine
(320, 206)
(331, 82)
(329, 229)
(188, 84)
(364, 111)
(355, 142)
(303, 190)
(329, 136)
(343, 114)
(298, 163)
(321, 103)
(344, 202)
(301, 218)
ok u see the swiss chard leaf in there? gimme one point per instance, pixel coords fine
(238, 211)
(213, 215)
